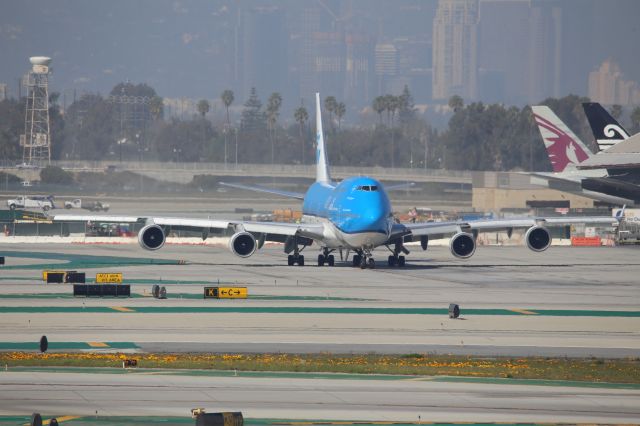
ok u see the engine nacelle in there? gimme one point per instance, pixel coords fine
(151, 237)
(462, 245)
(538, 238)
(243, 244)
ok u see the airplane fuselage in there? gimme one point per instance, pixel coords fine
(356, 213)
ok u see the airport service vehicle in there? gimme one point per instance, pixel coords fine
(22, 202)
(94, 206)
(354, 215)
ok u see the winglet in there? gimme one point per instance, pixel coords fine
(322, 167)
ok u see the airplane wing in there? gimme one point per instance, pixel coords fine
(313, 231)
(288, 194)
(441, 229)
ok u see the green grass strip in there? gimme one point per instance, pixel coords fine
(313, 310)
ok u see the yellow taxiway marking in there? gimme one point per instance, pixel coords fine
(98, 344)
(121, 309)
(59, 419)
(523, 311)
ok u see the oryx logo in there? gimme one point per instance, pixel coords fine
(561, 147)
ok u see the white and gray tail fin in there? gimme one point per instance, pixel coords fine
(322, 167)
(564, 148)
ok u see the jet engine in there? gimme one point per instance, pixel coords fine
(243, 244)
(151, 237)
(538, 238)
(462, 245)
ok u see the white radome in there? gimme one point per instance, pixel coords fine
(40, 60)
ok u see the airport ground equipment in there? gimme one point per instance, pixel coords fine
(44, 344)
(454, 311)
(225, 293)
(159, 292)
(68, 277)
(22, 202)
(1, 260)
(36, 420)
(94, 206)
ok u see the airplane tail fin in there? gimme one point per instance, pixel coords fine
(564, 148)
(322, 167)
(605, 128)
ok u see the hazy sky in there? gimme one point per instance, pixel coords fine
(182, 48)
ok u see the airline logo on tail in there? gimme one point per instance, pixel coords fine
(606, 129)
(563, 146)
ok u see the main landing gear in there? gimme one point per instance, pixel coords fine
(396, 259)
(326, 258)
(364, 259)
(292, 259)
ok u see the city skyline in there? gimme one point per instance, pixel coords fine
(508, 51)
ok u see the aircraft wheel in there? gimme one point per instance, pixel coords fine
(391, 261)
(356, 260)
(290, 260)
(363, 263)
(320, 260)
(300, 260)
(372, 263)
(331, 260)
(401, 261)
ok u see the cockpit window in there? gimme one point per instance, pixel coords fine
(367, 188)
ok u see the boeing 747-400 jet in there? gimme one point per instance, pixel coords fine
(353, 215)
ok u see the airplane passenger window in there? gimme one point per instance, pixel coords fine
(374, 187)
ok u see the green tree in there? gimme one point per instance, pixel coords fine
(379, 106)
(253, 118)
(91, 128)
(55, 176)
(156, 108)
(11, 127)
(301, 116)
(273, 110)
(406, 106)
(203, 107)
(456, 103)
(341, 110)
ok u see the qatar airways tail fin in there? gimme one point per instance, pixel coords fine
(322, 166)
(564, 148)
(605, 128)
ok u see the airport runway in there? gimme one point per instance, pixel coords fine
(162, 394)
(563, 302)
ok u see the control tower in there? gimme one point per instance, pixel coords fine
(36, 140)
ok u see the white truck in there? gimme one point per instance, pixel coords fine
(43, 202)
(94, 206)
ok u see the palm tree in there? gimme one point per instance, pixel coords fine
(227, 100)
(330, 105)
(273, 110)
(203, 107)
(301, 115)
(379, 106)
(341, 109)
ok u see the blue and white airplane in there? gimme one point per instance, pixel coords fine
(353, 215)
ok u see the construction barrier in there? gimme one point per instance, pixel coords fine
(586, 241)
(102, 290)
(45, 274)
(225, 293)
(220, 419)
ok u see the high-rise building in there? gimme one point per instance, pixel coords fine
(386, 65)
(545, 49)
(608, 86)
(3, 92)
(455, 45)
